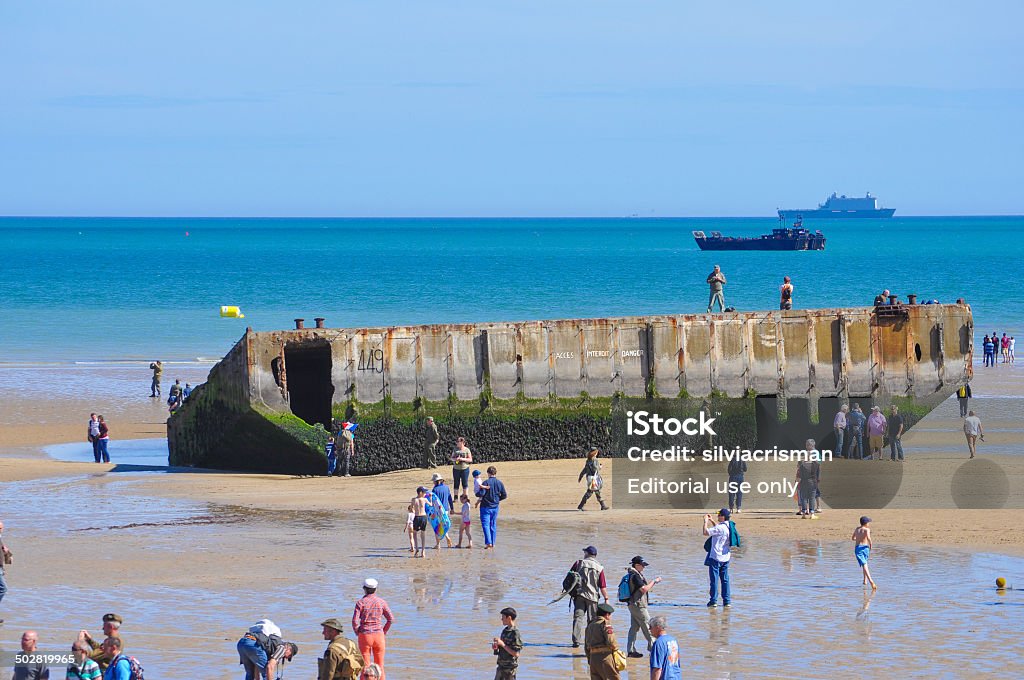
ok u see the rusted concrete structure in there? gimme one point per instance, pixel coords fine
(918, 352)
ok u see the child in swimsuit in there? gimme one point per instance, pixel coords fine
(419, 522)
(464, 529)
(408, 529)
(862, 548)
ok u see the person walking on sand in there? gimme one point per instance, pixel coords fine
(370, 611)
(593, 587)
(104, 439)
(639, 618)
(718, 557)
(158, 372)
(467, 519)
(444, 495)
(342, 659)
(461, 458)
(963, 396)
(592, 471)
(876, 432)
(419, 522)
(600, 644)
(430, 445)
(786, 294)
(716, 281)
(862, 548)
(94, 436)
(839, 427)
(491, 495)
(332, 456)
(895, 434)
(507, 646)
(665, 653)
(973, 430)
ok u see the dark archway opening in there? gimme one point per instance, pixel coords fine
(310, 391)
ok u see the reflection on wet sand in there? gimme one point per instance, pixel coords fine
(210, 570)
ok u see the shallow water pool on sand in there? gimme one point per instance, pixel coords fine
(189, 577)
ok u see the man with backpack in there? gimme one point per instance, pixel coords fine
(592, 586)
(342, 659)
(633, 589)
(121, 667)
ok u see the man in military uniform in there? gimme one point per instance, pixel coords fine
(432, 438)
(111, 628)
(342, 659)
(508, 646)
(600, 644)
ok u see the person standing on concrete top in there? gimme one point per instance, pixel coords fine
(973, 430)
(963, 396)
(592, 587)
(507, 646)
(342, 659)
(158, 372)
(600, 644)
(461, 458)
(665, 654)
(639, 618)
(592, 471)
(491, 495)
(370, 611)
(786, 294)
(432, 439)
(718, 557)
(716, 280)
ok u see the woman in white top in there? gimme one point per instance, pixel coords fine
(461, 458)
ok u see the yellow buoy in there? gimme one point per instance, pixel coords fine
(1000, 582)
(231, 312)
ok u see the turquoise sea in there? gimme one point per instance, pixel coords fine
(80, 290)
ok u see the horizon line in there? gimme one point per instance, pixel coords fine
(475, 217)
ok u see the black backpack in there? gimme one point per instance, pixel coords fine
(572, 582)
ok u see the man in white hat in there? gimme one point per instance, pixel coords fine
(444, 495)
(371, 621)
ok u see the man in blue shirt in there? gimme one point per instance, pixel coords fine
(664, 653)
(444, 494)
(490, 494)
(120, 667)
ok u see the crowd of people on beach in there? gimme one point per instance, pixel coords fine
(994, 346)
(850, 425)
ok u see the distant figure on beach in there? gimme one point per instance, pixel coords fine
(717, 560)
(342, 659)
(461, 458)
(30, 671)
(432, 439)
(419, 522)
(989, 348)
(963, 396)
(592, 471)
(665, 653)
(593, 587)
(882, 298)
(332, 456)
(1011, 348)
(347, 440)
(600, 644)
(1004, 344)
(467, 519)
(786, 294)
(737, 469)
(808, 474)
(895, 434)
(444, 495)
(367, 619)
(104, 439)
(876, 432)
(856, 420)
(187, 392)
(973, 430)
(862, 548)
(5, 559)
(839, 425)
(491, 495)
(158, 372)
(174, 397)
(94, 436)
(507, 646)
(111, 628)
(716, 280)
(638, 588)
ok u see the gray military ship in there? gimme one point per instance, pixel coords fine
(840, 207)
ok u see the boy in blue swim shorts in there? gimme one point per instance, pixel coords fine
(862, 548)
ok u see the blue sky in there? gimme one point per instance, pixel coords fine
(508, 108)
